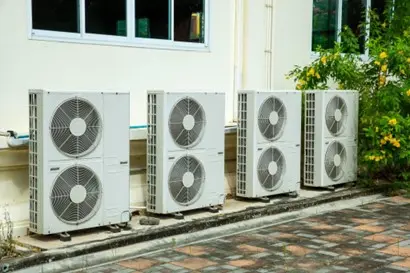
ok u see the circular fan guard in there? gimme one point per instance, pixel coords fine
(186, 180)
(75, 127)
(335, 160)
(187, 122)
(271, 168)
(76, 195)
(336, 115)
(271, 118)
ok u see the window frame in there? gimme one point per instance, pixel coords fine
(130, 40)
(365, 56)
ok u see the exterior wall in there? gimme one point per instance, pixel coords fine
(29, 64)
(275, 39)
(284, 31)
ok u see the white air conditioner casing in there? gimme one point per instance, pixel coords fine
(185, 150)
(78, 160)
(331, 129)
(268, 143)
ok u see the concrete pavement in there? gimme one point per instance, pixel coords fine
(369, 238)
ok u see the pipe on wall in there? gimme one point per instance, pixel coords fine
(269, 43)
(238, 62)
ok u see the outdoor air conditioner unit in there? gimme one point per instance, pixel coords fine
(78, 160)
(268, 143)
(331, 127)
(185, 151)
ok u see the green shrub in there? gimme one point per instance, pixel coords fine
(383, 82)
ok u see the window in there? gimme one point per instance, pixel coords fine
(329, 16)
(166, 23)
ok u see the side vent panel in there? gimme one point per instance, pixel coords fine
(152, 152)
(33, 160)
(309, 138)
(241, 149)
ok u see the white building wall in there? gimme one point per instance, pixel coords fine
(26, 64)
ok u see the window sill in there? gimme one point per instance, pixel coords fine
(118, 41)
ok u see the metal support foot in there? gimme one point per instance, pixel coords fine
(114, 228)
(178, 216)
(264, 199)
(213, 209)
(65, 237)
(294, 194)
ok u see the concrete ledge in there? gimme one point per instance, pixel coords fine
(182, 228)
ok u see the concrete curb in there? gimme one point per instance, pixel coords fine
(113, 244)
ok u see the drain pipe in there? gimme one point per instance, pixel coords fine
(238, 68)
(269, 43)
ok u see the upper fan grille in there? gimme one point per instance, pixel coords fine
(186, 180)
(187, 122)
(272, 118)
(76, 194)
(336, 115)
(271, 168)
(335, 159)
(75, 127)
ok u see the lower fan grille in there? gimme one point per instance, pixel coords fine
(335, 159)
(271, 168)
(76, 195)
(186, 180)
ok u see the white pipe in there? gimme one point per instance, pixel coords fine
(238, 68)
(16, 142)
(269, 43)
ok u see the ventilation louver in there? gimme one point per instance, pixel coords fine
(335, 160)
(336, 115)
(271, 168)
(75, 127)
(186, 180)
(187, 122)
(76, 194)
(271, 118)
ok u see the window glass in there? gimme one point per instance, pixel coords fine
(56, 15)
(106, 17)
(189, 21)
(353, 13)
(152, 19)
(324, 23)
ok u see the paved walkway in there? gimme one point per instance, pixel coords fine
(370, 238)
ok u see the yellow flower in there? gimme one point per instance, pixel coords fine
(393, 122)
(298, 87)
(317, 75)
(383, 142)
(302, 82)
(382, 80)
(311, 72)
(323, 60)
(408, 60)
(377, 63)
(383, 55)
(408, 92)
(384, 68)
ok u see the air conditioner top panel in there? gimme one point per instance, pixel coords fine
(331, 91)
(267, 91)
(41, 91)
(185, 92)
